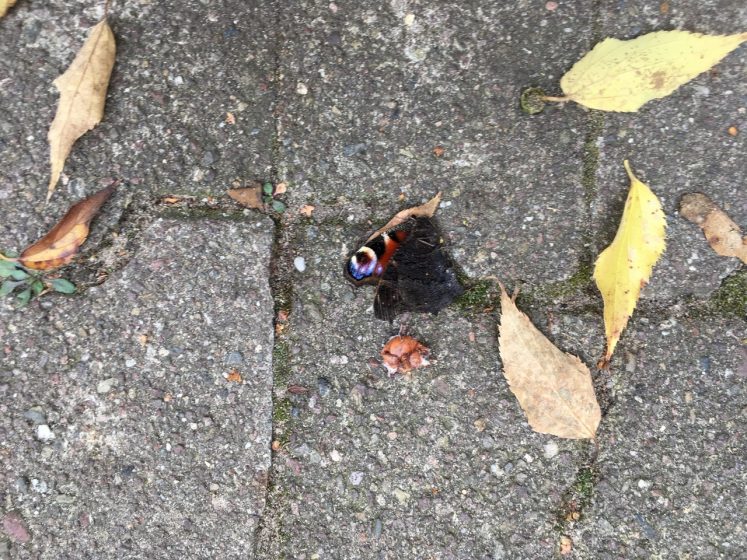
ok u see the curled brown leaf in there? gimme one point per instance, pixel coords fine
(723, 235)
(62, 242)
(424, 210)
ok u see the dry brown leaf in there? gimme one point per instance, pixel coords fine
(233, 376)
(402, 354)
(307, 210)
(251, 197)
(552, 387)
(5, 5)
(280, 188)
(82, 95)
(723, 235)
(61, 244)
(566, 545)
(424, 210)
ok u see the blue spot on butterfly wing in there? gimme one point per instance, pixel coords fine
(359, 271)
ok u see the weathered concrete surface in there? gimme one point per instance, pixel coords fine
(371, 89)
(678, 145)
(672, 465)
(154, 450)
(346, 102)
(441, 465)
(181, 66)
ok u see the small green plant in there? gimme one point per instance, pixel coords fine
(268, 198)
(24, 284)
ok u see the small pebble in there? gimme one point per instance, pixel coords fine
(335, 456)
(300, 264)
(207, 159)
(402, 496)
(323, 386)
(377, 528)
(551, 449)
(15, 527)
(36, 415)
(234, 359)
(43, 433)
(39, 486)
(301, 89)
(356, 477)
(106, 385)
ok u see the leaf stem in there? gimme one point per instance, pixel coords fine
(562, 99)
(106, 8)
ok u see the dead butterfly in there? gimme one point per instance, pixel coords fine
(409, 267)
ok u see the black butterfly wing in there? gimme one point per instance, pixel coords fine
(425, 278)
(387, 302)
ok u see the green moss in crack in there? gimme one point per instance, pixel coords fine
(478, 295)
(584, 485)
(281, 411)
(281, 363)
(578, 497)
(591, 155)
(580, 280)
(731, 297)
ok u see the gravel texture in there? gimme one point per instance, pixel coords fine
(120, 431)
(161, 412)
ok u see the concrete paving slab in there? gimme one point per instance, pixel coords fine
(409, 98)
(672, 462)
(679, 144)
(181, 68)
(120, 434)
(441, 465)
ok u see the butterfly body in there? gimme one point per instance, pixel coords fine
(409, 267)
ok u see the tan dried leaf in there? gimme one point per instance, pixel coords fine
(566, 545)
(5, 6)
(552, 387)
(251, 197)
(62, 242)
(307, 210)
(82, 95)
(233, 376)
(424, 210)
(723, 235)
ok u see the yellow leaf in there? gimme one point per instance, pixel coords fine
(82, 94)
(623, 75)
(624, 267)
(553, 388)
(5, 5)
